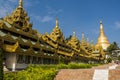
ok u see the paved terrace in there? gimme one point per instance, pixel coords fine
(105, 72)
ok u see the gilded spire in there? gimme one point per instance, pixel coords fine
(74, 36)
(101, 28)
(102, 40)
(83, 39)
(20, 3)
(57, 24)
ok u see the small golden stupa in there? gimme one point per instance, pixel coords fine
(102, 40)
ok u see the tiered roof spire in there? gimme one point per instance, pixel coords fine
(19, 18)
(83, 39)
(57, 34)
(74, 42)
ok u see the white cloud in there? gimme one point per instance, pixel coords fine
(53, 11)
(43, 19)
(5, 9)
(47, 18)
(117, 24)
(37, 18)
(9, 6)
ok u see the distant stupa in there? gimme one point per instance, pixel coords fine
(102, 40)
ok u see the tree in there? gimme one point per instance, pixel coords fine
(67, 39)
(119, 57)
(109, 60)
(1, 65)
(112, 47)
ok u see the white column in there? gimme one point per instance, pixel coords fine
(13, 67)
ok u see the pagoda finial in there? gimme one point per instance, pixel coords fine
(83, 42)
(83, 38)
(82, 35)
(101, 26)
(20, 3)
(74, 33)
(57, 24)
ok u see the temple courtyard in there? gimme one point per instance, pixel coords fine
(105, 72)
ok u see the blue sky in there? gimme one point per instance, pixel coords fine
(74, 15)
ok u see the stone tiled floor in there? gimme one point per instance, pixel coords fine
(75, 74)
(87, 74)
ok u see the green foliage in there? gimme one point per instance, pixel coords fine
(1, 65)
(79, 66)
(113, 46)
(42, 72)
(119, 57)
(109, 60)
(67, 39)
(95, 64)
(62, 66)
(10, 76)
(32, 73)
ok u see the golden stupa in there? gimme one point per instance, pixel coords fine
(102, 40)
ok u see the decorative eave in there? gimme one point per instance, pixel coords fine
(37, 44)
(63, 53)
(19, 39)
(17, 31)
(10, 48)
(49, 40)
(8, 37)
(30, 51)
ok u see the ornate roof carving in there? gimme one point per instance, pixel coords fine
(83, 41)
(57, 34)
(19, 18)
(74, 42)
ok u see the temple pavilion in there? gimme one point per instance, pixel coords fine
(22, 45)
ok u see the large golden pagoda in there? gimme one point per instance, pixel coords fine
(102, 40)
